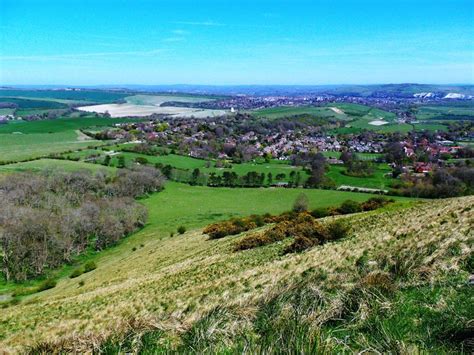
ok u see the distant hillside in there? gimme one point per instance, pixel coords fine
(396, 90)
(397, 284)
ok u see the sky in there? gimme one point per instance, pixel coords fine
(220, 42)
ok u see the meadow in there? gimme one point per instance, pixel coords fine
(379, 180)
(448, 112)
(54, 164)
(287, 111)
(21, 140)
(14, 147)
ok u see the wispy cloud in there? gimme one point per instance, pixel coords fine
(174, 39)
(180, 32)
(199, 23)
(82, 55)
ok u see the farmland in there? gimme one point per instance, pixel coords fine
(69, 95)
(53, 164)
(21, 140)
(145, 105)
(25, 146)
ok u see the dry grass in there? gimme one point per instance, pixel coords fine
(172, 282)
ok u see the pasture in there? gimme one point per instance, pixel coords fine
(288, 111)
(448, 112)
(27, 146)
(379, 180)
(54, 164)
(21, 140)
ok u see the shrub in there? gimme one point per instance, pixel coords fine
(374, 203)
(181, 229)
(89, 266)
(337, 229)
(46, 285)
(320, 212)
(76, 273)
(253, 241)
(349, 206)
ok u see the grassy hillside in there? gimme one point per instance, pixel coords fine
(196, 295)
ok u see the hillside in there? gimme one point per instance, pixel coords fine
(393, 259)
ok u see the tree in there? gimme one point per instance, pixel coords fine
(269, 179)
(301, 203)
(195, 176)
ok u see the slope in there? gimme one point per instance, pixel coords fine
(170, 284)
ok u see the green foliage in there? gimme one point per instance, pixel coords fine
(181, 229)
(90, 266)
(349, 206)
(337, 229)
(46, 285)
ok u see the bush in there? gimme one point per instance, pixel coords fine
(253, 241)
(76, 273)
(320, 212)
(89, 266)
(374, 203)
(46, 285)
(337, 230)
(181, 229)
(349, 206)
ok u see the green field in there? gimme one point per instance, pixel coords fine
(70, 95)
(362, 156)
(378, 180)
(196, 206)
(287, 111)
(24, 103)
(54, 164)
(26, 146)
(428, 126)
(448, 112)
(189, 164)
(60, 124)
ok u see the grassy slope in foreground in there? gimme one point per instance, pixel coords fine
(110, 293)
(172, 282)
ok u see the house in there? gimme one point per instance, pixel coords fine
(423, 168)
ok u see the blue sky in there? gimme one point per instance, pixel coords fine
(83, 42)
